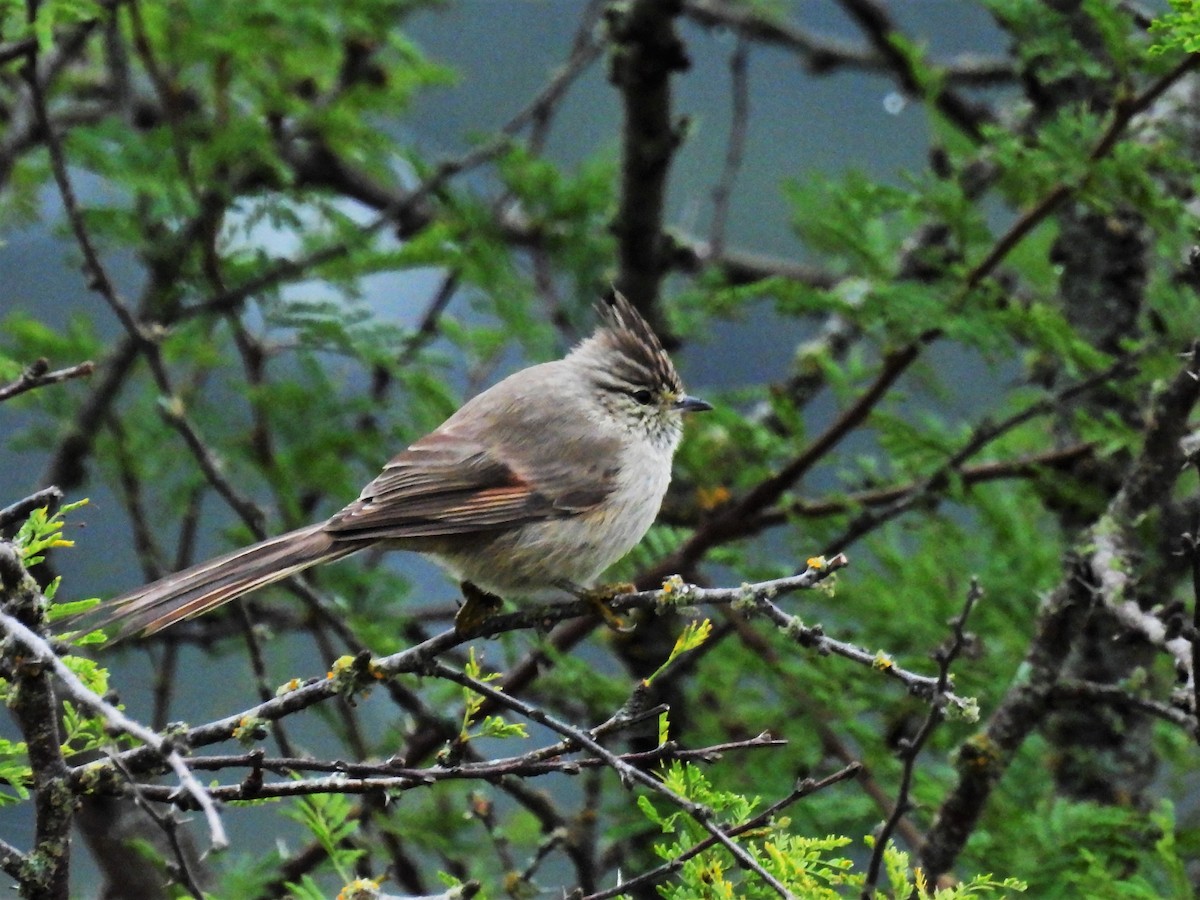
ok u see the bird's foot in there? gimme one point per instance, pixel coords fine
(601, 596)
(478, 606)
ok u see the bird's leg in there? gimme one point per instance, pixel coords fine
(478, 606)
(600, 597)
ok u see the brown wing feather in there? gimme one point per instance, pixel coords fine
(448, 484)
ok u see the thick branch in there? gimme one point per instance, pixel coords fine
(646, 53)
(35, 708)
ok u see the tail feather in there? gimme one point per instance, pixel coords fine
(210, 584)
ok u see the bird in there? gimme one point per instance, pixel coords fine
(539, 483)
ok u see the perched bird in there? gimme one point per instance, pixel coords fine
(540, 482)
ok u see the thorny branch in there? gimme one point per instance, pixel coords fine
(930, 688)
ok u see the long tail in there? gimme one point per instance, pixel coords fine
(210, 584)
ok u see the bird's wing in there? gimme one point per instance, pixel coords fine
(447, 483)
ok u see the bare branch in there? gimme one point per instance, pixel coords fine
(39, 375)
(1026, 466)
(170, 829)
(926, 687)
(363, 778)
(19, 511)
(882, 32)
(823, 54)
(1070, 691)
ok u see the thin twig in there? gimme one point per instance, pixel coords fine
(145, 540)
(879, 28)
(804, 788)
(542, 761)
(911, 749)
(823, 54)
(1025, 466)
(170, 828)
(258, 667)
(1070, 692)
(585, 50)
(39, 375)
(365, 778)
(803, 704)
(981, 436)
(702, 815)
(926, 687)
(735, 145)
(166, 672)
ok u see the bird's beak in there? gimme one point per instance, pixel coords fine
(691, 404)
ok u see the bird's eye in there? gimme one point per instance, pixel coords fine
(642, 396)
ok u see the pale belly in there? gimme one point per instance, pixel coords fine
(541, 556)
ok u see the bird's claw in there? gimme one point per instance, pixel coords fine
(478, 606)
